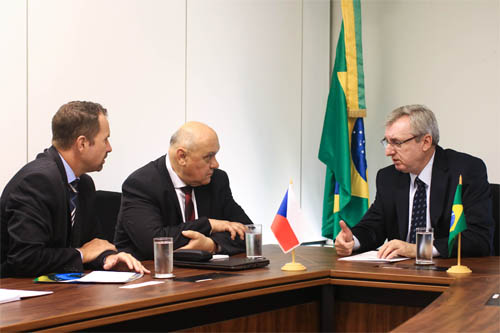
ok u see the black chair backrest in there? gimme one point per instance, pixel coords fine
(495, 197)
(107, 206)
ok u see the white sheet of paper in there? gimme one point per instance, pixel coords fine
(139, 285)
(10, 295)
(371, 256)
(110, 277)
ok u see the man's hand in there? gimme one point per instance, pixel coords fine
(95, 247)
(198, 241)
(344, 243)
(396, 248)
(232, 227)
(113, 260)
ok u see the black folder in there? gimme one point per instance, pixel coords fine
(226, 264)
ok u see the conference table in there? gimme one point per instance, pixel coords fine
(331, 295)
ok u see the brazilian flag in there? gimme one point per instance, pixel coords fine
(457, 222)
(342, 146)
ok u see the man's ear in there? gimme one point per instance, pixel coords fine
(427, 142)
(181, 155)
(81, 142)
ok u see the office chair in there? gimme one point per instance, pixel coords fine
(495, 197)
(107, 206)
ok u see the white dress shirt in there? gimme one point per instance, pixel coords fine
(178, 184)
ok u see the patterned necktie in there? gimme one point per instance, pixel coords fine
(419, 211)
(73, 199)
(188, 203)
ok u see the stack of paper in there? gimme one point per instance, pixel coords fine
(10, 295)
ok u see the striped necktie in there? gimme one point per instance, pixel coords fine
(419, 211)
(73, 199)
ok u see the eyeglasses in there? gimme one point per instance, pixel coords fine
(396, 144)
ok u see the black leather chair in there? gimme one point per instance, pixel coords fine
(107, 206)
(495, 197)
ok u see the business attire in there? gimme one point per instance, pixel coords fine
(36, 226)
(388, 216)
(150, 208)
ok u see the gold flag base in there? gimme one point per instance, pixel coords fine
(293, 266)
(459, 269)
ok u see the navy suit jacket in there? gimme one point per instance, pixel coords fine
(35, 220)
(150, 208)
(388, 216)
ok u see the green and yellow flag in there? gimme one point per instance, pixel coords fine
(342, 146)
(457, 222)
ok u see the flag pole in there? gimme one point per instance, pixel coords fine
(293, 266)
(459, 269)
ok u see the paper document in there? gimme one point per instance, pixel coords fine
(93, 277)
(10, 295)
(371, 256)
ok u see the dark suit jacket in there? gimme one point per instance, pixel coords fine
(388, 215)
(35, 220)
(150, 208)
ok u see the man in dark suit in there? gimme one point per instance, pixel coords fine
(47, 215)
(421, 166)
(182, 195)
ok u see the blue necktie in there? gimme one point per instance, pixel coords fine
(73, 199)
(419, 211)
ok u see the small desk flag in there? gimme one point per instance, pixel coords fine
(457, 222)
(289, 223)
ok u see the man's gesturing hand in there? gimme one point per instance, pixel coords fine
(344, 243)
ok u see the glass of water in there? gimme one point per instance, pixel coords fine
(253, 240)
(164, 257)
(425, 241)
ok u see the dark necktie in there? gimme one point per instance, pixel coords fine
(188, 203)
(419, 211)
(73, 200)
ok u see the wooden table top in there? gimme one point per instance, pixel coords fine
(72, 303)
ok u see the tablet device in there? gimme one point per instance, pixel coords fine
(226, 264)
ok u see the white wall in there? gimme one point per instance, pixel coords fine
(256, 70)
(441, 53)
(240, 66)
(12, 88)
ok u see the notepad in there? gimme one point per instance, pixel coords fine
(371, 256)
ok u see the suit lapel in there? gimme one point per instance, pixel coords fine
(171, 193)
(439, 184)
(202, 200)
(402, 198)
(54, 155)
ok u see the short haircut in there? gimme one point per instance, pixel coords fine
(74, 119)
(422, 120)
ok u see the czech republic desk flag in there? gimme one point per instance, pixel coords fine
(289, 223)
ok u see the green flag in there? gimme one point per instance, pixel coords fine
(457, 222)
(342, 146)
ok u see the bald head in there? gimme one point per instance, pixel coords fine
(192, 134)
(192, 153)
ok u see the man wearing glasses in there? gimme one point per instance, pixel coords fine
(418, 191)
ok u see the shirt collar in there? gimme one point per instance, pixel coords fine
(426, 174)
(69, 172)
(176, 181)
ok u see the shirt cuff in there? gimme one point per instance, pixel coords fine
(435, 252)
(81, 253)
(357, 244)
